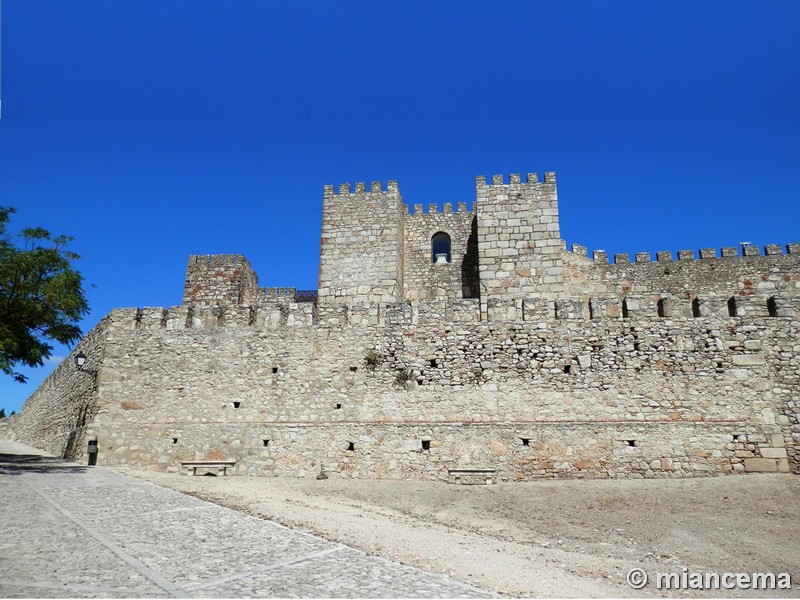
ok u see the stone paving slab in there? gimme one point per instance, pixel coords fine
(69, 531)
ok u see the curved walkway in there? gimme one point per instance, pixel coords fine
(70, 531)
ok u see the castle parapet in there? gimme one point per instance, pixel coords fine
(515, 179)
(360, 189)
(433, 208)
(705, 254)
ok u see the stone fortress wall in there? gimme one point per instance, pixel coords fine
(517, 355)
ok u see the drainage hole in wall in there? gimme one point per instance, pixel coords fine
(353, 369)
(338, 406)
(174, 440)
(630, 442)
(426, 444)
(567, 368)
(351, 447)
(237, 404)
(736, 437)
(274, 370)
(266, 442)
(433, 363)
(525, 441)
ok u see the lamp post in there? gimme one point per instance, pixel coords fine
(91, 451)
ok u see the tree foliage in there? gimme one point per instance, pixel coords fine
(41, 296)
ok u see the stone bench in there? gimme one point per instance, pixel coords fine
(472, 476)
(190, 467)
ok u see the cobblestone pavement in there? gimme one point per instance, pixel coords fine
(72, 531)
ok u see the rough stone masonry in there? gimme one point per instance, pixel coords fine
(446, 343)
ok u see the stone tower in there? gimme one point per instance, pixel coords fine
(518, 244)
(361, 250)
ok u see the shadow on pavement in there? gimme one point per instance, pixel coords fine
(17, 464)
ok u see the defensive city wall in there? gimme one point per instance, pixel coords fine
(448, 343)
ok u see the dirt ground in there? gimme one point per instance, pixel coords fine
(541, 539)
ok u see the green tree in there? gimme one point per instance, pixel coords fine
(2, 413)
(41, 296)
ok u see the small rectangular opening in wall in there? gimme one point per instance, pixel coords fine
(433, 362)
(631, 443)
(266, 442)
(525, 441)
(274, 370)
(567, 368)
(353, 369)
(736, 437)
(237, 404)
(426, 444)
(174, 440)
(338, 406)
(351, 447)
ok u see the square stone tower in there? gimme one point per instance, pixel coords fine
(519, 245)
(361, 251)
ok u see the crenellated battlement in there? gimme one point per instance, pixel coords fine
(218, 259)
(516, 179)
(361, 189)
(703, 254)
(433, 209)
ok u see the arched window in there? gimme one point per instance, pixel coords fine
(733, 308)
(440, 248)
(696, 308)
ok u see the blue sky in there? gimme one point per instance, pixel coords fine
(151, 130)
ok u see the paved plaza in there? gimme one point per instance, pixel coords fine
(68, 530)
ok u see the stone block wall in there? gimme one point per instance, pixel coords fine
(751, 285)
(518, 243)
(361, 250)
(55, 417)
(595, 398)
(459, 278)
(219, 280)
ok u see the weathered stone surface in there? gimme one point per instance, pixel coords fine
(761, 465)
(749, 359)
(773, 452)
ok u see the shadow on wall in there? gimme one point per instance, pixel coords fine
(470, 280)
(75, 437)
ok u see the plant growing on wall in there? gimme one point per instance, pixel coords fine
(403, 375)
(372, 358)
(41, 296)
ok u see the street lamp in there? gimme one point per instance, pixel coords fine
(80, 360)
